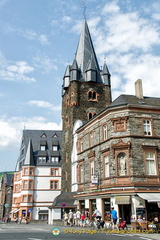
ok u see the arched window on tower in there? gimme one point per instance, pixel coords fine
(92, 96)
(91, 115)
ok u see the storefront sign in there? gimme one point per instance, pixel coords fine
(94, 179)
(141, 212)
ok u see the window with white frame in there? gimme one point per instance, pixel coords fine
(147, 127)
(43, 147)
(106, 166)
(92, 168)
(150, 163)
(54, 148)
(105, 134)
(42, 159)
(54, 159)
(91, 138)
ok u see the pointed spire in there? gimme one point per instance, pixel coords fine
(85, 52)
(91, 73)
(29, 159)
(74, 71)
(66, 77)
(106, 74)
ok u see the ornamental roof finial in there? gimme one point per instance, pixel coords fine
(84, 9)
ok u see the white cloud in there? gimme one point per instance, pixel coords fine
(45, 64)
(66, 19)
(43, 39)
(11, 129)
(129, 42)
(44, 104)
(8, 134)
(15, 71)
(20, 67)
(28, 34)
(111, 7)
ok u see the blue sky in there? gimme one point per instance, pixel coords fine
(39, 38)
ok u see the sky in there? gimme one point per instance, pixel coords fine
(38, 38)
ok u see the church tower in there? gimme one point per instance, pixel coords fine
(86, 90)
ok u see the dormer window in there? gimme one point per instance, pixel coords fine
(42, 159)
(54, 159)
(55, 148)
(42, 147)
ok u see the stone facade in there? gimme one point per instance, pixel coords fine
(125, 138)
(81, 100)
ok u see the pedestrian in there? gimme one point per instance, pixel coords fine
(97, 214)
(86, 213)
(20, 220)
(78, 217)
(82, 219)
(16, 219)
(65, 217)
(114, 216)
(74, 218)
(25, 220)
(70, 215)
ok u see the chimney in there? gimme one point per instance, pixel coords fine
(139, 89)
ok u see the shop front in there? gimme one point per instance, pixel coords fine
(152, 204)
(124, 207)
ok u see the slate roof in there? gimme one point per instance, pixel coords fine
(85, 52)
(125, 99)
(30, 147)
(85, 60)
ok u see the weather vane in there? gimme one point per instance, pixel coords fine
(84, 9)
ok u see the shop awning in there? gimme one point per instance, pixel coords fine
(43, 212)
(150, 197)
(12, 211)
(15, 210)
(123, 200)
